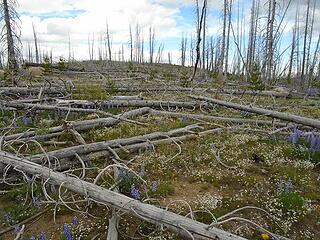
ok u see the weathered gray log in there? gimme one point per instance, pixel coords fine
(67, 164)
(100, 146)
(79, 125)
(151, 143)
(29, 91)
(208, 90)
(174, 222)
(36, 100)
(274, 114)
(136, 103)
(214, 118)
(66, 109)
(153, 104)
(144, 145)
(135, 97)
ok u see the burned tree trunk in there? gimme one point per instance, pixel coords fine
(12, 54)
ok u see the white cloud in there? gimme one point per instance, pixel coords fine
(53, 32)
(41, 6)
(90, 16)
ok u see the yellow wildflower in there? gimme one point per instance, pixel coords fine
(265, 236)
(198, 136)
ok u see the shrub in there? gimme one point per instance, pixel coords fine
(47, 64)
(256, 81)
(62, 64)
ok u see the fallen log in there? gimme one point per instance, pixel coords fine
(78, 125)
(66, 163)
(136, 97)
(152, 104)
(274, 114)
(208, 90)
(18, 91)
(174, 222)
(148, 144)
(66, 109)
(214, 118)
(100, 146)
(133, 103)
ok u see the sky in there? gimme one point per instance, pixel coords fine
(56, 21)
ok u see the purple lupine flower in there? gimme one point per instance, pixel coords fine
(142, 170)
(29, 120)
(37, 200)
(128, 176)
(17, 229)
(295, 135)
(288, 186)
(121, 173)
(24, 119)
(32, 238)
(154, 185)
(42, 236)
(52, 188)
(313, 151)
(272, 137)
(135, 193)
(279, 189)
(7, 217)
(67, 232)
(313, 140)
(185, 120)
(75, 221)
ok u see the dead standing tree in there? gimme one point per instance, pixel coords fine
(35, 43)
(223, 40)
(10, 34)
(183, 49)
(199, 30)
(109, 43)
(151, 43)
(270, 46)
